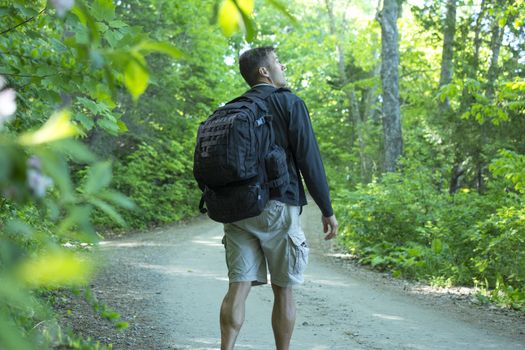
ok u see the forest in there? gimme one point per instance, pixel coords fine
(418, 108)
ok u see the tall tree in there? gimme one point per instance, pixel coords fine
(355, 116)
(393, 137)
(497, 33)
(495, 48)
(471, 72)
(449, 29)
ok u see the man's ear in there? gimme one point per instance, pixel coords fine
(263, 72)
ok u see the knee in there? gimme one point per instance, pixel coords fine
(282, 294)
(283, 298)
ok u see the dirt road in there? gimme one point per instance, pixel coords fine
(169, 284)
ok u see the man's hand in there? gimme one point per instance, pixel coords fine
(329, 227)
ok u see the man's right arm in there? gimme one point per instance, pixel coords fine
(330, 226)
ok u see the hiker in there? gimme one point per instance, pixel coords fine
(274, 237)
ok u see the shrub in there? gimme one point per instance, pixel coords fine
(404, 224)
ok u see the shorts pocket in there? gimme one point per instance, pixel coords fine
(275, 215)
(299, 251)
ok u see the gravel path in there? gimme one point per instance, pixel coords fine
(168, 284)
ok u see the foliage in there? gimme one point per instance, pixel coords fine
(406, 225)
(71, 60)
(161, 171)
(68, 68)
(408, 222)
(511, 166)
(102, 106)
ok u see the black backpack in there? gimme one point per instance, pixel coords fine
(236, 160)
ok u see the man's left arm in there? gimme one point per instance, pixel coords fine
(308, 157)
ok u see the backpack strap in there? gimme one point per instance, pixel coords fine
(201, 205)
(260, 99)
(254, 96)
(277, 182)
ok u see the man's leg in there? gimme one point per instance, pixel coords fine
(283, 316)
(232, 313)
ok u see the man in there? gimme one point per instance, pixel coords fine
(275, 238)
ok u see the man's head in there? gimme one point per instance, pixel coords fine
(261, 65)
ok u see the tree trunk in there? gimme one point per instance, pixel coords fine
(492, 75)
(390, 82)
(457, 171)
(495, 46)
(449, 29)
(477, 38)
(354, 108)
(354, 114)
(466, 98)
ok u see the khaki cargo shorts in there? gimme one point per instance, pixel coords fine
(274, 239)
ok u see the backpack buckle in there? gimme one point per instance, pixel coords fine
(260, 121)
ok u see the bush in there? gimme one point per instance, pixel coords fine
(406, 225)
(159, 179)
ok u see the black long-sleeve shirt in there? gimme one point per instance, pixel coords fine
(293, 132)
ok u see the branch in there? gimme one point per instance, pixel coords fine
(28, 75)
(17, 55)
(24, 22)
(378, 11)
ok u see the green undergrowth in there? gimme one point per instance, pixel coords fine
(405, 225)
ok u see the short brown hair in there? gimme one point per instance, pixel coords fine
(250, 62)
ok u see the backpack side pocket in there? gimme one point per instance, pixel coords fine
(277, 170)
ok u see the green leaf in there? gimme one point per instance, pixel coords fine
(161, 47)
(136, 77)
(414, 252)
(103, 10)
(247, 20)
(56, 167)
(85, 17)
(109, 125)
(118, 199)
(110, 315)
(228, 17)
(99, 177)
(55, 268)
(78, 218)
(91, 105)
(117, 24)
(77, 151)
(282, 8)
(18, 227)
(109, 210)
(122, 325)
(377, 260)
(122, 126)
(57, 127)
(437, 246)
(85, 121)
(249, 25)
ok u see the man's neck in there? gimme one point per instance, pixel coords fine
(260, 84)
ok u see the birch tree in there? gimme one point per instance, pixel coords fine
(393, 138)
(449, 29)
